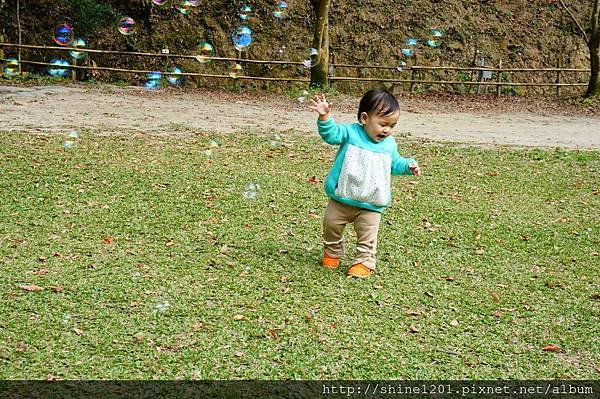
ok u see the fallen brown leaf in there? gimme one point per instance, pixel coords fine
(413, 329)
(31, 287)
(108, 240)
(496, 297)
(56, 288)
(239, 353)
(551, 348)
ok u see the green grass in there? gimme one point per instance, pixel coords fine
(490, 256)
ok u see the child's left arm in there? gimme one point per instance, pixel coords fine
(404, 166)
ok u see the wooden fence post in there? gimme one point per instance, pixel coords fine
(499, 79)
(412, 80)
(558, 83)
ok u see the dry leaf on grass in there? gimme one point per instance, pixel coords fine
(551, 348)
(31, 287)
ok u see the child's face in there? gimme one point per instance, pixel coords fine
(378, 127)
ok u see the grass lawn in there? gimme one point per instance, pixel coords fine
(139, 257)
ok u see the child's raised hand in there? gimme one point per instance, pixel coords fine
(321, 105)
(414, 168)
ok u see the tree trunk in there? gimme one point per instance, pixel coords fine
(319, 72)
(594, 46)
(594, 85)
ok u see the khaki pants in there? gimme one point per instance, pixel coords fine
(366, 225)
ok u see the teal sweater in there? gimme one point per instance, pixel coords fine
(362, 170)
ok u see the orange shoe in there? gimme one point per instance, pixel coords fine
(329, 262)
(359, 270)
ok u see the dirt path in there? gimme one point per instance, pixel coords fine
(110, 110)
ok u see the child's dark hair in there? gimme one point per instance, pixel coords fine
(379, 102)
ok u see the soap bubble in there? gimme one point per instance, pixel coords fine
(153, 80)
(204, 52)
(435, 38)
(236, 71)
(78, 43)
(407, 52)
(126, 26)
(185, 6)
(63, 34)
(246, 13)
(252, 190)
(313, 59)
(276, 141)
(58, 67)
(280, 51)
(159, 2)
(66, 319)
(11, 67)
(207, 153)
(281, 11)
(162, 306)
(242, 37)
(303, 96)
(411, 42)
(70, 140)
(401, 66)
(176, 77)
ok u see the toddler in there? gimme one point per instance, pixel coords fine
(359, 182)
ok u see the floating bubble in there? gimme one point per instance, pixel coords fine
(78, 43)
(66, 319)
(236, 71)
(302, 97)
(242, 37)
(276, 141)
(73, 134)
(213, 143)
(11, 67)
(246, 13)
(401, 66)
(176, 77)
(281, 11)
(252, 190)
(63, 35)
(185, 6)
(435, 38)
(126, 26)
(407, 52)
(204, 52)
(281, 50)
(159, 2)
(411, 42)
(162, 306)
(70, 140)
(58, 67)
(207, 153)
(153, 80)
(313, 59)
